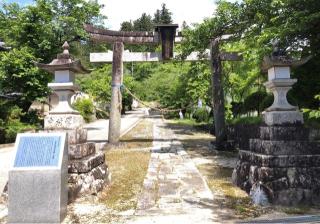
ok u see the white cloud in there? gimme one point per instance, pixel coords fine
(191, 11)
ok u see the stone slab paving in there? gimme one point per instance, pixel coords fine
(98, 130)
(174, 189)
(6, 160)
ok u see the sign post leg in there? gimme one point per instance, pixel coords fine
(116, 97)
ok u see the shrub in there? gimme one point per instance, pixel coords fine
(14, 127)
(101, 114)
(85, 107)
(201, 115)
(246, 120)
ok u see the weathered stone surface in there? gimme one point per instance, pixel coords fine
(289, 147)
(280, 160)
(296, 196)
(241, 133)
(35, 189)
(80, 151)
(88, 183)
(75, 136)
(286, 161)
(67, 121)
(274, 133)
(283, 117)
(86, 164)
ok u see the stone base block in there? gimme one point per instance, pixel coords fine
(301, 160)
(68, 121)
(37, 196)
(283, 117)
(282, 147)
(88, 183)
(80, 151)
(86, 164)
(282, 177)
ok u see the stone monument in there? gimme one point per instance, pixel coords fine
(282, 159)
(38, 190)
(88, 171)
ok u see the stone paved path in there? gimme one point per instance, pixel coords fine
(6, 160)
(98, 130)
(174, 190)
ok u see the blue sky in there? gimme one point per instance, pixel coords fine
(21, 2)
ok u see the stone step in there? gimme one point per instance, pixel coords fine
(298, 133)
(282, 147)
(269, 174)
(80, 151)
(280, 160)
(86, 164)
(75, 136)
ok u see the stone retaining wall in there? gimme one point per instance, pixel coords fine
(285, 161)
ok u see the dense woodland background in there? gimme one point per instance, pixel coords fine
(36, 33)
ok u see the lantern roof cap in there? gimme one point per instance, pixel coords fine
(64, 61)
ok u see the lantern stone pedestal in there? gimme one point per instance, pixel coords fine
(281, 112)
(281, 164)
(88, 172)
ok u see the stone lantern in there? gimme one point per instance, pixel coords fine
(88, 172)
(64, 69)
(278, 66)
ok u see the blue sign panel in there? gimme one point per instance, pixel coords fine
(38, 151)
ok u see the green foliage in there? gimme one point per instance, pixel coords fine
(45, 25)
(246, 120)
(201, 115)
(126, 26)
(85, 107)
(127, 99)
(18, 74)
(312, 116)
(98, 84)
(13, 125)
(144, 23)
(253, 102)
(254, 24)
(162, 16)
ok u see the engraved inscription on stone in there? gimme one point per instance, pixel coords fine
(38, 151)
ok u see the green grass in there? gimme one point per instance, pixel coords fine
(188, 122)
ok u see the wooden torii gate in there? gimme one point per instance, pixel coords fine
(166, 36)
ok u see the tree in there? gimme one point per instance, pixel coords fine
(162, 16)
(45, 25)
(19, 75)
(126, 26)
(144, 23)
(36, 33)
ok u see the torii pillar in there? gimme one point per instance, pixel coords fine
(216, 58)
(116, 97)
